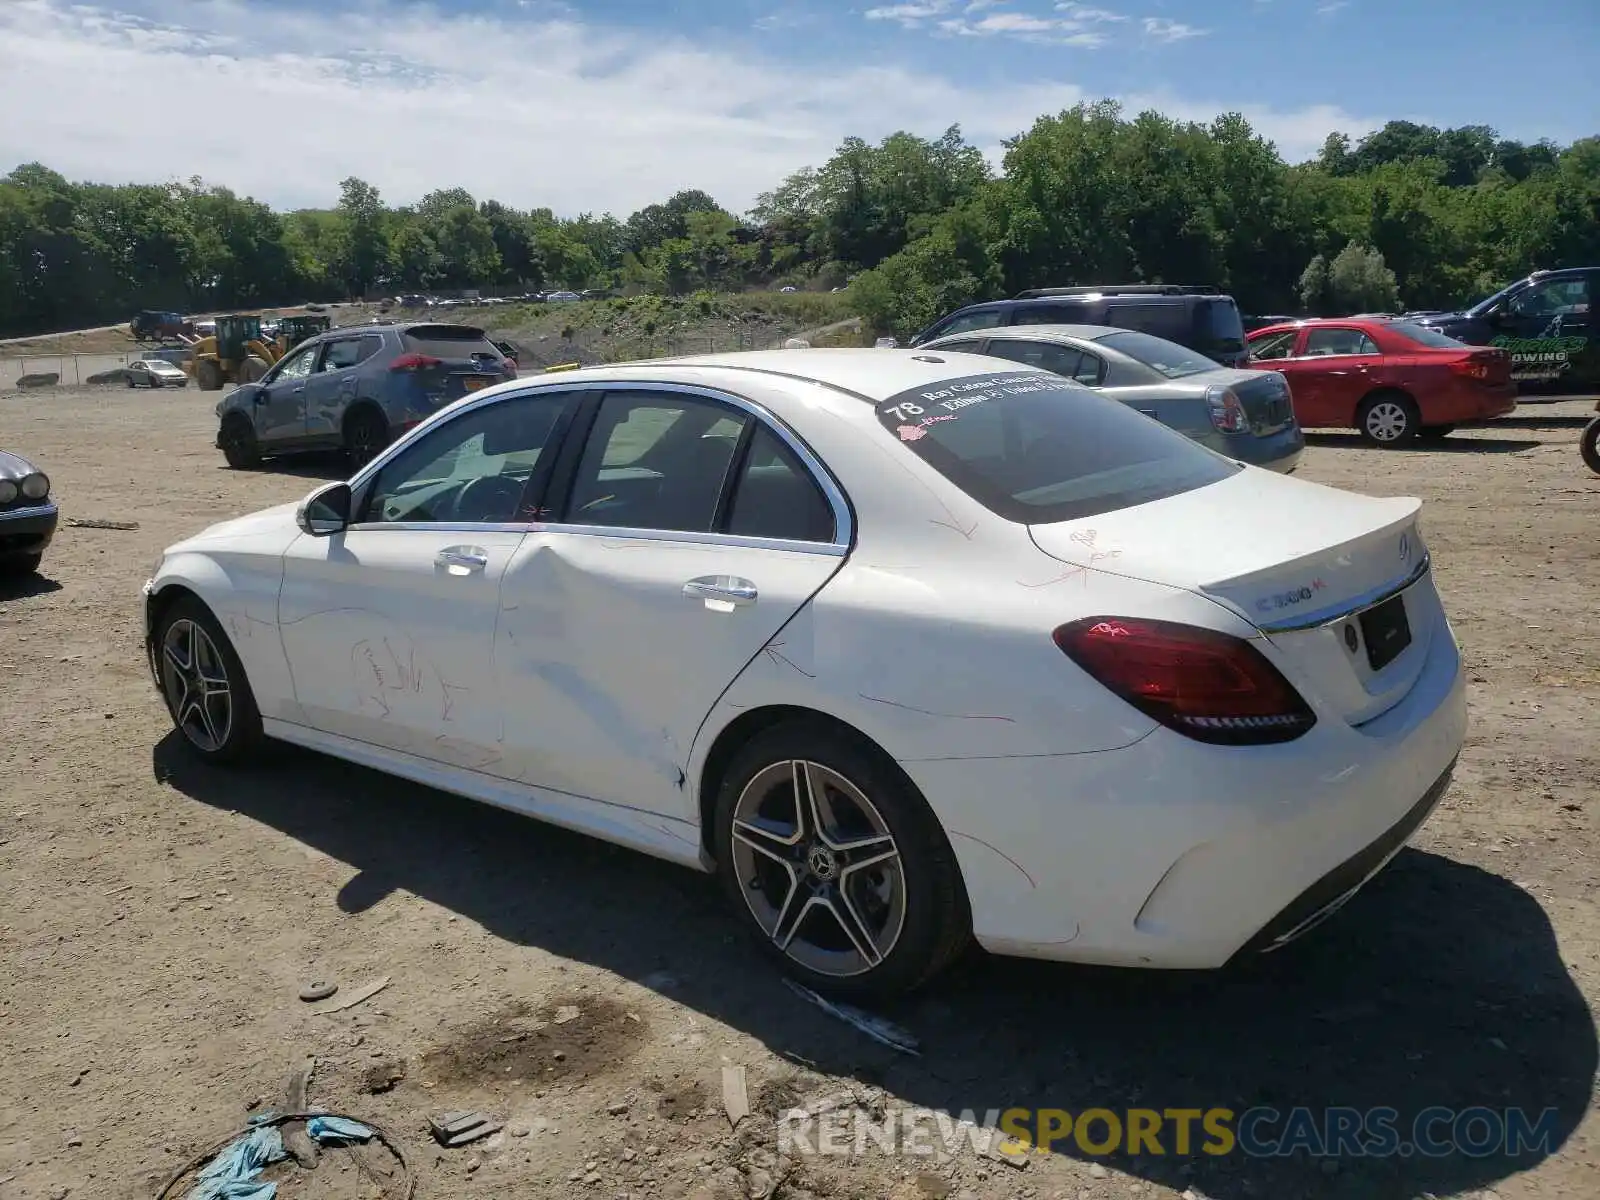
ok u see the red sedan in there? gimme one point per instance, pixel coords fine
(1392, 380)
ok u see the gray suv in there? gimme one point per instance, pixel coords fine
(357, 389)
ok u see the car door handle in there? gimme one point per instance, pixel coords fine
(719, 590)
(461, 560)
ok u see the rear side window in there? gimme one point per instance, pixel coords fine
(776, 496)
(450, 342)
(1047, 314)
(1163, 320)
(1424, 336)
(1046, 356)
(1321, 342)
(1035, 448)
(348, 352)
(1164, 357)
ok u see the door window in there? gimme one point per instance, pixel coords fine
(1556, 298)
(983, 318)
(1046, 356)
(349, 352)
(970, 346)
(478, 468)
(1274, 345)
(1091, 370)
(1323, 342)
(1047, 314)
(1171, 321)
(298, 365)
(655, 460)
(776, 496)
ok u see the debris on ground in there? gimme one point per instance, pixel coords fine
(876, 1028)
(735, 1095)
(359, 996)
(296, 1098)
(231, 1169)
(98, 523)
(564, 1014)
(318, 990)
(462, 1128)
(383, 1076)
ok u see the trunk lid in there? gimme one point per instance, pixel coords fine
(1264, 395)
(1312, 567)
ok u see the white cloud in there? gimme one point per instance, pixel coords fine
(1160, 29)
(543, 111)
(1075, 28)
(909, 15)
(1331, 7)
(1088, 14)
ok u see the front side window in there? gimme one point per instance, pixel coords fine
(1320, 342)
(298, 365)
(655, 460)
(1035, 448)
(983, 318)
(1274, 345)
(1555, 298)
(1165, 358)
(484, 466)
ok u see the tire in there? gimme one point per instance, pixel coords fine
(1435, 433)
(130, 382)
(22, 564)
(1589, 445)
(911, 911)
(203, 683)
(208, 374)
(254, 368)
(239, 445)
(1388, 419)
(366, 434)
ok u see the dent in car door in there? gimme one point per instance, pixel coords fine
(615, 642)
(280, 401)
(332, 386)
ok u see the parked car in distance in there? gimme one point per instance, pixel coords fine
(559, 297)
(27, 514)
(1199, 318)
(1548, 323)
(911, 649)
(154, 373)
(1392, 381)
(356, 388)
(157, 325)
(1244, 414)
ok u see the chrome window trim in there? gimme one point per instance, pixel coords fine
(1333, 614)
(843, 519)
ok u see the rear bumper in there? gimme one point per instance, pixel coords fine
(27, 531)
(1279, 451)
(1467, 401)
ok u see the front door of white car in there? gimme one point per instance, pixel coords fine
(389, 625)
(693, 531)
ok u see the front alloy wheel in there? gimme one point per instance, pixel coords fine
(823, 875)
(204, 685)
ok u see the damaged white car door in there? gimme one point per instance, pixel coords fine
(389, 624)
(692, 530)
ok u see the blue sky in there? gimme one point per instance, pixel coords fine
(612, 104)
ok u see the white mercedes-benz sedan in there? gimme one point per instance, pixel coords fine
(910, 650)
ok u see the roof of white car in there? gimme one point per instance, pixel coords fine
(1088, 333)
(874, 375)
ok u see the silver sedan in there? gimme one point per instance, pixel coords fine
(1246, 415)
(155, 372)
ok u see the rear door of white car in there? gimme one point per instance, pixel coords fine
(389, 625)
(688, 528)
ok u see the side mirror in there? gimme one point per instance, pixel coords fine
(325, 511)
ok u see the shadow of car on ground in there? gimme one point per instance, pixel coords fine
(1439, 985)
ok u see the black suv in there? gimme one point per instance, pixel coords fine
(1548, 324)
(1200, 318)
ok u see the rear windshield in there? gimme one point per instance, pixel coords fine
(1035, 448)
(1168, 358)
(450, 341)
(1424, 336)
(1221, 327)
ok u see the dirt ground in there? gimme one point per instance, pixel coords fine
(160, 919)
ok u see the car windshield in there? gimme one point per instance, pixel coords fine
(1035, 448)
(1488, 302)
(1167, 358)
(1424, 336)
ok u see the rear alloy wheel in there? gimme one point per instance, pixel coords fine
(204, 685)
(239, 444)
(365, 436)
(837, 864)
(1388, 419)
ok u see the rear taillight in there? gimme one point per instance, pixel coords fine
(1472, 368)
(1209, 686)
(1227, 414)
(414, 362)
